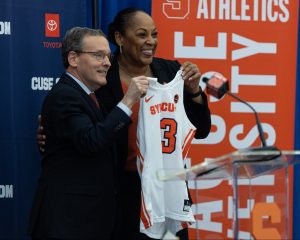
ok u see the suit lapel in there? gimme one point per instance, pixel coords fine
(68, 80)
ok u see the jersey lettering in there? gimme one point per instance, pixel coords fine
(162, 107)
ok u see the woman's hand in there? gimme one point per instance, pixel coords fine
(191, 76)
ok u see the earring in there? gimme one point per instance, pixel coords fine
(121, 49)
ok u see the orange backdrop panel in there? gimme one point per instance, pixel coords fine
(253, 44)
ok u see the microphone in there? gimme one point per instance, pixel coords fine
(218, 86)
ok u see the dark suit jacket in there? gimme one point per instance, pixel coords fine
(165, 71)
(77, 190)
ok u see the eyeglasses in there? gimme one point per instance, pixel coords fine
(99, 56)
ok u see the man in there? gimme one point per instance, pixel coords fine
(78, 189)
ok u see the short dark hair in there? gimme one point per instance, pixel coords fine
(121, 22)
(73, 41)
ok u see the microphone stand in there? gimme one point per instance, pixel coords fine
(260, 130)
(275, 150)
(218, 86)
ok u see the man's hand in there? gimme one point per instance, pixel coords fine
(137, 88)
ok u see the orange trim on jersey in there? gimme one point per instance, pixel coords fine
(145, 218)
(187, 137)
(187, 143)
(140, 156)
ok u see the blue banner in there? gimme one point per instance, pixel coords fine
(30, 60)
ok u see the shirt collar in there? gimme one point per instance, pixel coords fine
(81, 84)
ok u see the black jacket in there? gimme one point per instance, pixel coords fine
(77, 190)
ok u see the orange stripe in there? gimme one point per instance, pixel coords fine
(186, 137)
(140, 156)
(144, 214)
(188, 144)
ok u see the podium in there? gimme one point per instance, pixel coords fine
(258, 194)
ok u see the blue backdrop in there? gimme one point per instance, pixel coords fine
(30, 63)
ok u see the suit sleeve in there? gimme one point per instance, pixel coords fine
(72, 119)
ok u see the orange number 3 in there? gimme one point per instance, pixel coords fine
(169, 131)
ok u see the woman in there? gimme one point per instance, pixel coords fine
(134, 33)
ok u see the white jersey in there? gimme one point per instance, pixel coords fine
(164, 135)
